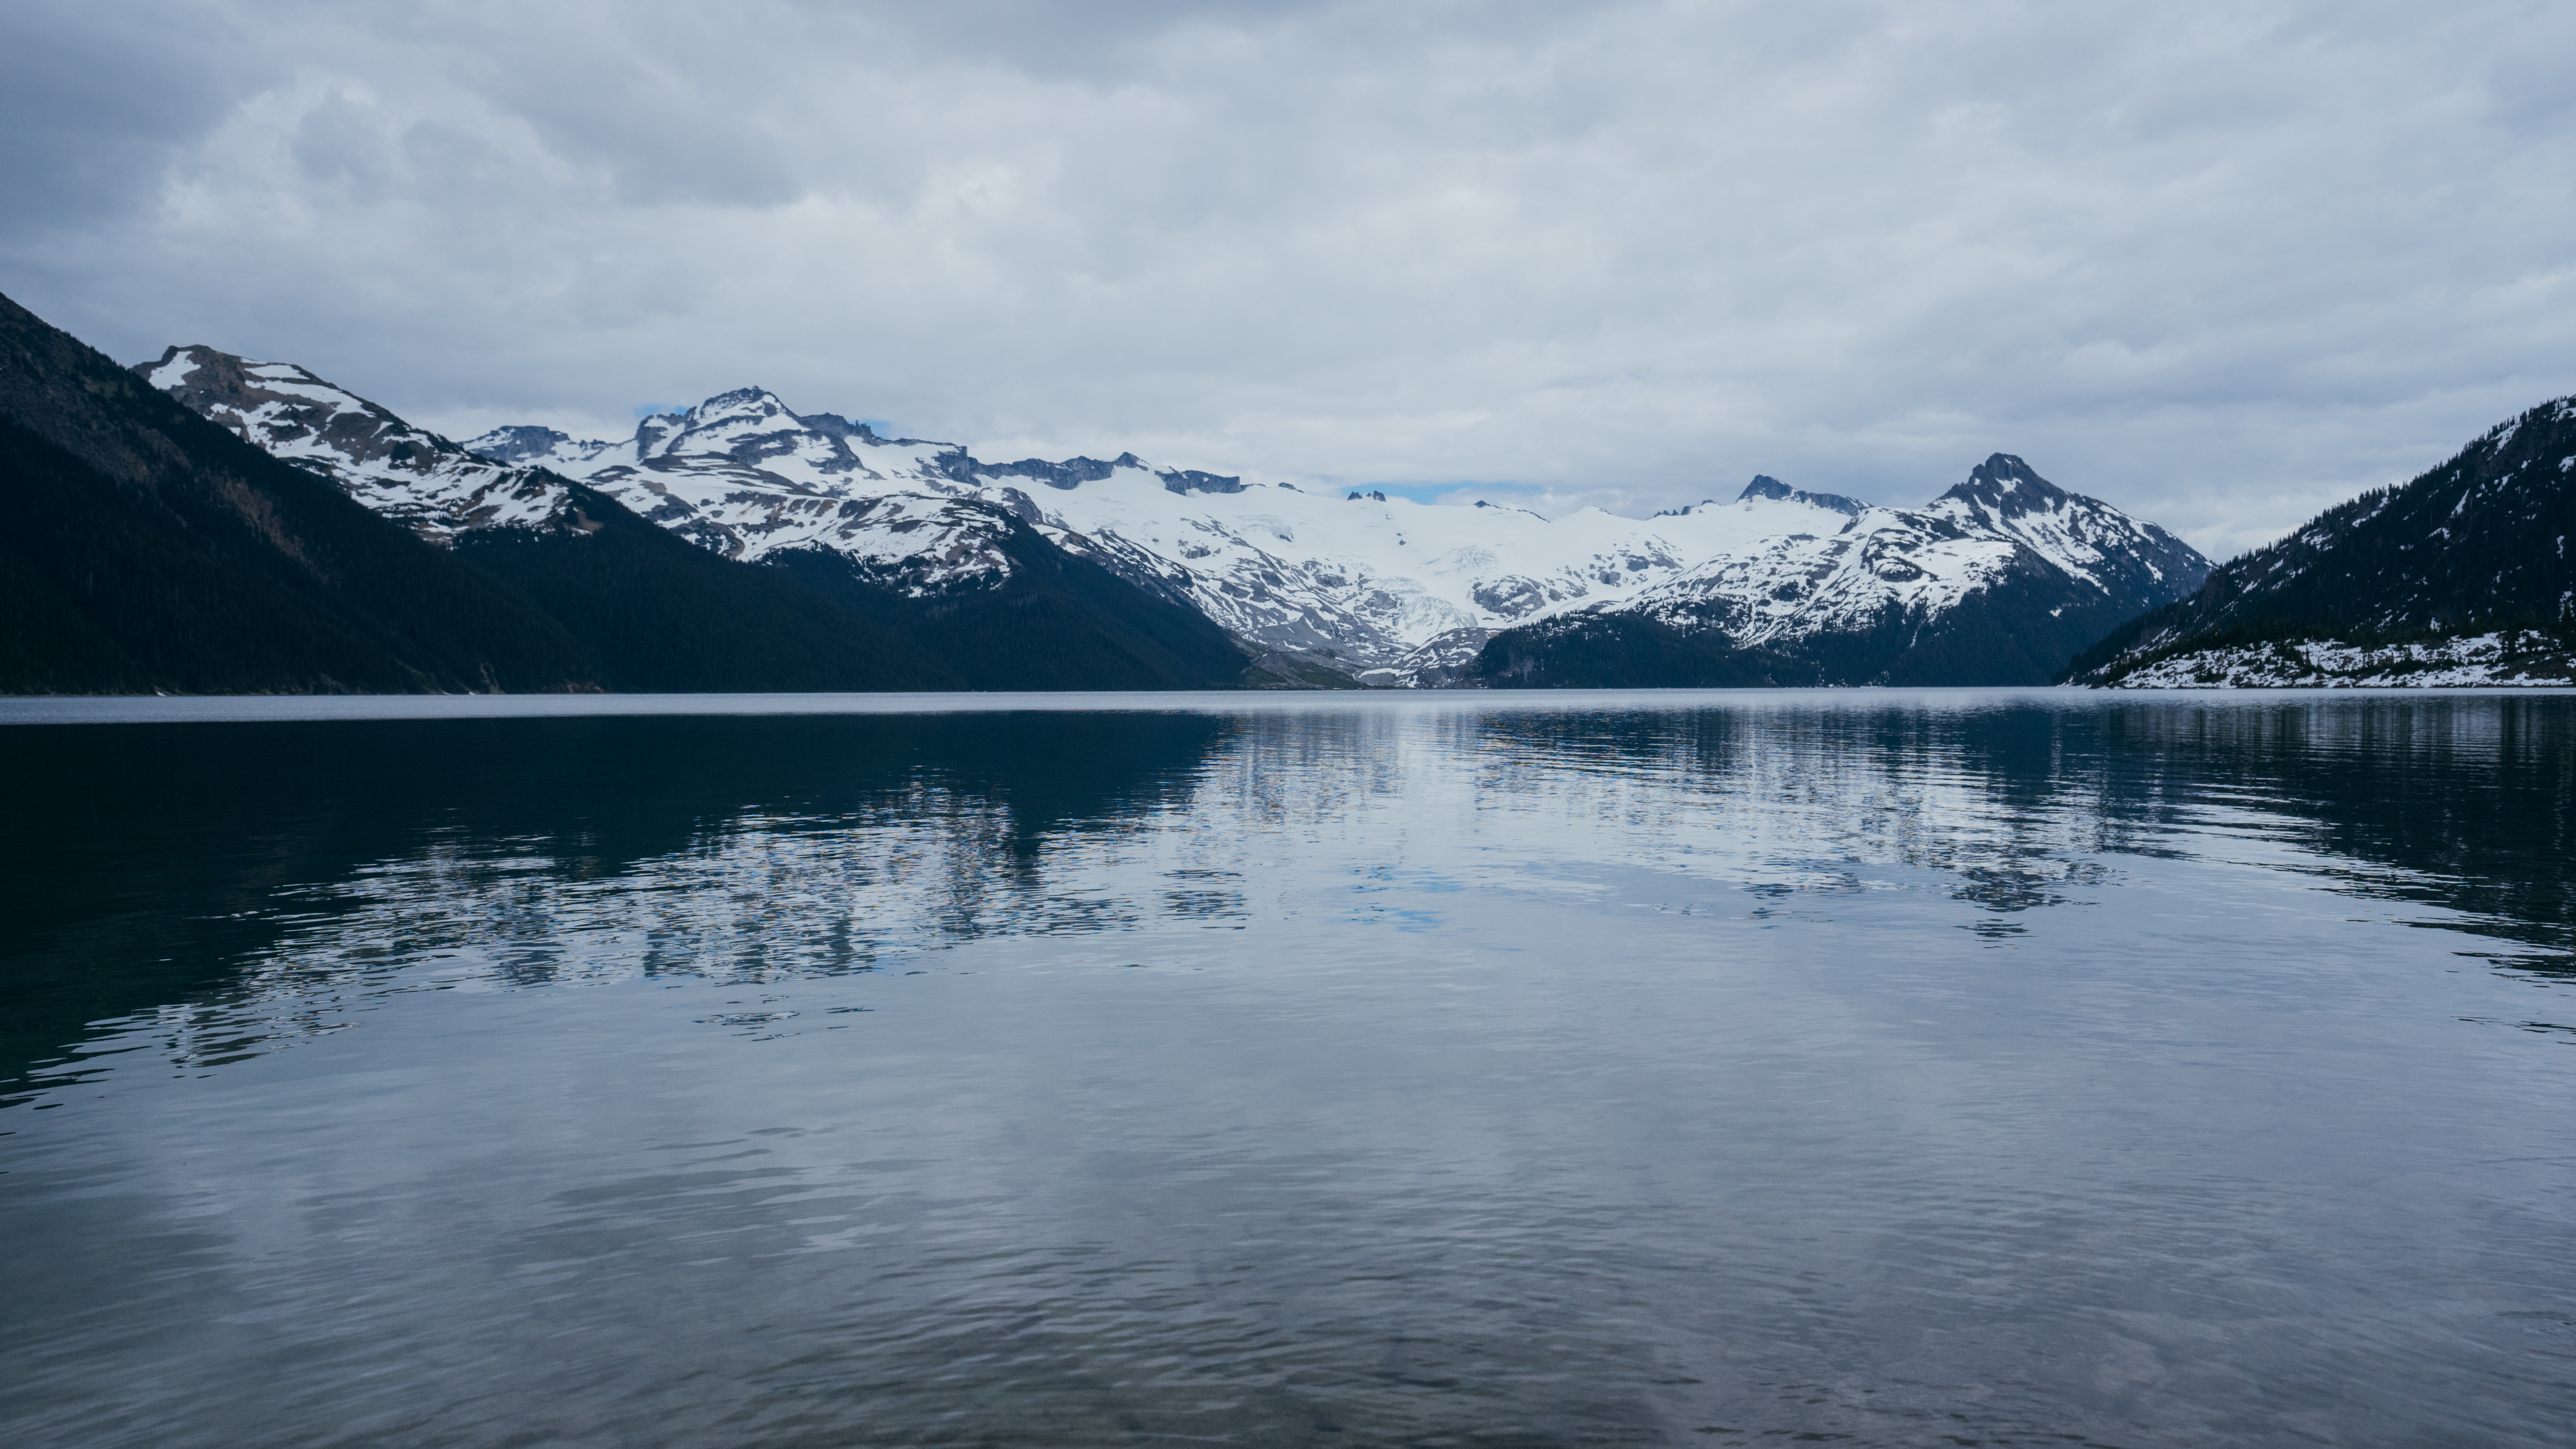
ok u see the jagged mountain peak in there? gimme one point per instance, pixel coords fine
(1764, 486)
(754, 401)
(741, 407)
(2129, 558)
(747, 425)
(518, 443)
(835, 423)
(1191, 480)
(2011, 488)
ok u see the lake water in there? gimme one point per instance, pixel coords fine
(1883, 1068)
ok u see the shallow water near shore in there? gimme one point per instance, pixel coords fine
(1967, 1067)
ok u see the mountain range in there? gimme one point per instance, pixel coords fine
(1999, 580)
(206, 523)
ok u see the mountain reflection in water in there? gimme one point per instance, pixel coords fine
(1594, 1069)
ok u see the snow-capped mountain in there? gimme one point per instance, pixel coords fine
(2466, 566)
(1384, 590)
(149, 552)
(2000, 580)
(411, 475)
(1919, 564)
(746, 477)
(889, 591)
(1372, 583)
(741, 491)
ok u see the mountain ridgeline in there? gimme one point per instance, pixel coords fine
(2460, 576)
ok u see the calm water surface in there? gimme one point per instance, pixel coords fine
(1945, 1068)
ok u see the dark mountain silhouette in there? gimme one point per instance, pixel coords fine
(2476, 546)
(149, 549)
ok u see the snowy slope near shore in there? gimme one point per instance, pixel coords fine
(2467, 662)
(2473, 546)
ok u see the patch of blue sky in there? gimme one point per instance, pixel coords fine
(1461, 494)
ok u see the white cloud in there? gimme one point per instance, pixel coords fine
(2217, 264)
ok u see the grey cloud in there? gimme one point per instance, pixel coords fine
(2218, 264)
(94, 100)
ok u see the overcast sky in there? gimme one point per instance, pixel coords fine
(2219, 264)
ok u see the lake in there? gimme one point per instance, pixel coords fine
(1943, 1067)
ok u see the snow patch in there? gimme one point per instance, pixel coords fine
(176, 369)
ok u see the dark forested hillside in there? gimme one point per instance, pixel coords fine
(2476, 545)
(148, 549)
(1057, 622)
(664, 615)
(1628, 651)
